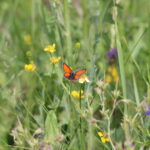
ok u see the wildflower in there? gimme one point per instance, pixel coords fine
(77, 45)
(83, 79)
(27, 39)
(101, 84)
(131, 144)
(112, 75)
(116, 79)
(55, 60)
(110, 69)
(113, 53)
(100, 134)
(77, 94)
(99, 90)
(116, 93)
(30, 67)
(108, 79)
(147, 112)
(50, 48)
(114, 72)
(103, 137)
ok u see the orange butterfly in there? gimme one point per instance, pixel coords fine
(70, 75)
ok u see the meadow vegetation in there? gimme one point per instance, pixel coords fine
(106, 109)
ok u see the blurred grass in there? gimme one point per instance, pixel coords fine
(41, 99)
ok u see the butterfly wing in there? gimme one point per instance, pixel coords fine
(79, 73)
(67, 71)
(66, 68)
(67, 75)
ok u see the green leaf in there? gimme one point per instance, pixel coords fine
(51, 126)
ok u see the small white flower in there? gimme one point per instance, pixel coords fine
(83, 79)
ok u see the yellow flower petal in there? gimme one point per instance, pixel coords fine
(55, 60)
(76, 94)
(50, 48)
(107, 139)
(104, 139)
(100, 134)
(108, 79)
(114, 72)
(110, 69)
(30, 67)
(116, 79)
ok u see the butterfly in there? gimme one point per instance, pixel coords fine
(70, 75)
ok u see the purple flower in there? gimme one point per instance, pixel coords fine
(147, 112)
(113, 53)
(131, 144)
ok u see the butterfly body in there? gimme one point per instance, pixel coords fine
(71, 75)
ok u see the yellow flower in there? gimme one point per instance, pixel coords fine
(76, 94)
(112, 74)
(27, 39)
(77, 45)
(116, 79)
(100, 134)
(83, 79)
(55, 60)
(108, 79)
(30, 67)
(109, 69)
(103, 137)
(50, 48)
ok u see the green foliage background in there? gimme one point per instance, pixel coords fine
(41, 99)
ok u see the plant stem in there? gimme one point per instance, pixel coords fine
(109, 121)
(81, 130)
